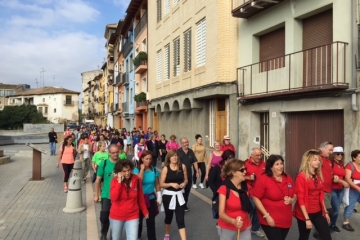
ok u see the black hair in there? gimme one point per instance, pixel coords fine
(354, 154)
(270, 163)
(227, 154)
(197, 136)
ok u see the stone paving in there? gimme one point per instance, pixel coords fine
(33, 210)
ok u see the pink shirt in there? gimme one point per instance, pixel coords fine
(68, 155)
(172, 145)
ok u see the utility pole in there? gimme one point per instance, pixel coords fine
(37, 85)
(43, 76)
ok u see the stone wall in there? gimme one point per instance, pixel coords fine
(43, 128)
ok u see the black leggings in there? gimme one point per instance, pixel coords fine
(104, 216)
(150, 222)
(275, 233)
(202, 170)
(179, 212)
(67, 170)
(320, 224)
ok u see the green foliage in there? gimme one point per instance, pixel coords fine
(13, 117)
(141, 97)
(142, 56)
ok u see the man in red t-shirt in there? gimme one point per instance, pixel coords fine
(255, 166)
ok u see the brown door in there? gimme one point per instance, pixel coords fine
(220, 119)
(317, 31)
(306, 130)
(156, 121)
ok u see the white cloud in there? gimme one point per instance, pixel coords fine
(122, 3)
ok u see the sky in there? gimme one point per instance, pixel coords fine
(62, 37)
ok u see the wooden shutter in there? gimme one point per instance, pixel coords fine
(272, 50)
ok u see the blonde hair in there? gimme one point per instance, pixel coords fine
(217, 142)
(307, 158)
(100, 144)
(231, 166)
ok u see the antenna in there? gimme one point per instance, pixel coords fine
(36, 83)
(43, 76)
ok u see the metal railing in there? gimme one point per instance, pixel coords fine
(141, 104)
(69, 103)
(125, 79)
(125, 107)
(128, 45)
(118, 79)
(141, 25)
(322, 66)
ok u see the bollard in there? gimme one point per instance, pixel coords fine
(74, 202)
(77, 169)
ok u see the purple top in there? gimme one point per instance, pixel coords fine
(215, 159)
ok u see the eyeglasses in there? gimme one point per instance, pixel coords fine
(242, 170)
(342, 154)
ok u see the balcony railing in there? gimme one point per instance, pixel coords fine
(141, 104)
(316, 69)
(125, 107)
(141, 25)
(128, 45)
(125, 79)
(118, 79)
(116, 107)
(249, 8)
(69, 103)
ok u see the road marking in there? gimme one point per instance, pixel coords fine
(91, 221)
(202, 197)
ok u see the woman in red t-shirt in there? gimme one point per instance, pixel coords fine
(352, 177)
(273, 196)
(338, 184)
(234, 203)
(310, 208)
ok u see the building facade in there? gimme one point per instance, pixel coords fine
(58, 105)
(8, 90)
(191, 82)
(297, 77)
(87, 77)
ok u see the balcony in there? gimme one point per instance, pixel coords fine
(141, 25)
(69, 103)
(249, 8)
(141, 106)
(116, 107)
(318, 69)
(125, 107)
(141, 67)
(125, 79)
(118, 79)
(128, 45)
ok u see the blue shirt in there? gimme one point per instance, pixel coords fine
(136, 140)
(149, 180)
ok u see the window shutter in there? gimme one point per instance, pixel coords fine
(167, 6)
(167, 62)
(176, 2)
(187, 50)
(201, 43)
(158, 10)
(159, 66)
(177, 56)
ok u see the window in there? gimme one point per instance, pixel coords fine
(167, 6)
(43, 99)
(144, 85)
(177, 56)
(272, 50)
(158, 7)
(54, 110)
(46, 110)
(131, 95)
(167, 62)
(54, 99)
(40, 110)
(187, 50)
(159, 66)
(68, 100)
(144, 48)
(201, 43)
(1, 93)
(8, 92)
(131, 63)
(264, 133)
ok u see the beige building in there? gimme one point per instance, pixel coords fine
(8, 90)
(297, 76)
(85, 103)
(191, 78)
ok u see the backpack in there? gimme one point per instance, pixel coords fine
(352, 169)
(141, 151)
(95, 175)
(215, 204)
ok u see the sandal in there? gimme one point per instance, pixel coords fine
(66, 189)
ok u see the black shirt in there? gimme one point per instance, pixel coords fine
(117, 141)
(174, 177)
(52, 136)
(187, 159)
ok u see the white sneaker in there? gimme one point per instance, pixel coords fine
(201, 185)
(258, 233)
(194, 186)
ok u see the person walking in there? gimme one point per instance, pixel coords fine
(52, 141)
(153, 146)
(100, 156)
(255, 166)
(152, 194)
(234, 203)
(200, 154)
(172, 144)
(105, 175)
(214, 159)
(188, 158)
(227, 144)
(67, 159)
(173, 180)
(162, 149)
(337, 159)
(352, 177)
(138, 149)
(85, 155)
(273, 195)
(310, 209)
(127, 200)
(67, 132)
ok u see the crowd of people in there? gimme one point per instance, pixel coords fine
(248, 195)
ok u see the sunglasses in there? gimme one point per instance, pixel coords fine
(242, 170)
(342, 154)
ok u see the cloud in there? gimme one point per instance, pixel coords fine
(122, 3)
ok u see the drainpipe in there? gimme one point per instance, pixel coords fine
(354, 51)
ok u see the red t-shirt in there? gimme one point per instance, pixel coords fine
(314, 195)
(257, 169)
(125, 205)
(271, 194)
(339, 171)
(355, 175)
(233, 210)
(327, 174)
(226, 147)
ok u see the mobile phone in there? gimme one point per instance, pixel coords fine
(122, 178)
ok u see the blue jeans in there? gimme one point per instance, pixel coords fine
(52, 147)
(131, 229)
(254, 218)
(354, 196)
(336, 199)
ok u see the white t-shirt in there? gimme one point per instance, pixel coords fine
(86, 153)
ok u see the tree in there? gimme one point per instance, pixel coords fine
(13, 117)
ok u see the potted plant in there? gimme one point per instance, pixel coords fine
(141, 97)
(142, 57)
